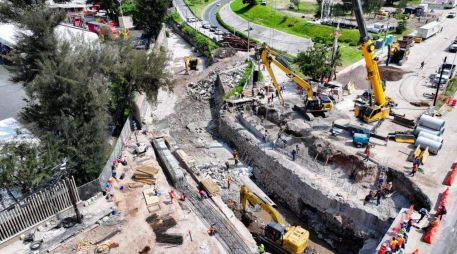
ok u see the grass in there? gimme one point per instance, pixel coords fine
(306, 7)
(269, 17)
(239, 87)
(197, 6)
(451, 88)
(349, 55)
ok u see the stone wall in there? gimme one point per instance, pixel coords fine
(337, 221)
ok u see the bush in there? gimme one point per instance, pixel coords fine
(375, 37)
(352, 44)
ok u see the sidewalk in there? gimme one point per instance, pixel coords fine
(289, 43)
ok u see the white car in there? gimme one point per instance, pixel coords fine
(206, 25)
(451, 15)
(444, 78)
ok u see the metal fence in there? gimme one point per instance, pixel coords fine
(36, 208)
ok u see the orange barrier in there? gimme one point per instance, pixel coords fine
(452, 176)
(444, 197)
(431, 233)
(416, 251)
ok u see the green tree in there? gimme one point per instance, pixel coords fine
(24, 166)
(296, 3)
(133, 71)
(150, 14)
(36, 42)
(402, 26)
(67, 104)
(370, 6)
(128, 7)
(315, 62)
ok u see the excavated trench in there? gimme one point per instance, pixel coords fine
(328, 209)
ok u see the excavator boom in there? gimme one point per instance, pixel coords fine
(246, 195)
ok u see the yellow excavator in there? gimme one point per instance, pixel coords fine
(277, 237)
(315, 103)
(379, 109)
(190, 64)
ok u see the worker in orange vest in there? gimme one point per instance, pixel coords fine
(401, 241)
(394, 244)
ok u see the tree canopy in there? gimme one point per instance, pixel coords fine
(317, 61)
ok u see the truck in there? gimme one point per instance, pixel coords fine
(377, 28)
(448, 72)
(449, 4)
(428, 30)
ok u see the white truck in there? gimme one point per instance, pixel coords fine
(428, 30)
(377, 28)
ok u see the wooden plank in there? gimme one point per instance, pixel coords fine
(150, 197)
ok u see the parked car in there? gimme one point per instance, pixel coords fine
(264, 2)
(212, 29)
(448, 72)
(206, 25)
(451, 15)
(219, 32)
(453, 47)
(190, 20)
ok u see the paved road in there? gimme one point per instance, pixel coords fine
(279, 40)
(210, 14)
(11, 95)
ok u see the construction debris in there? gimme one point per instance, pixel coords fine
(203, 88)
(237, 42)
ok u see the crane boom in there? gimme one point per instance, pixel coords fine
(368, 54)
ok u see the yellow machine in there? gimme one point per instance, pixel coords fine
(190, 64)
(315, 104)
(277, 236)
(380, 109)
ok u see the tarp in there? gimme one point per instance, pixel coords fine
(452, 176)
(7, 34)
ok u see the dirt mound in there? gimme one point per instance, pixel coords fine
(391, 73)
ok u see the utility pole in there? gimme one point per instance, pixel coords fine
(334, 51)
(72, 194)
(439, 82)
(249, 29)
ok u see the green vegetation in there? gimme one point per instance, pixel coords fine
(197, 6)
(267, 16)
(128, 7)
(239, 87)
(349, 55)
(316, 62)
(451, 88)
(203, 43)
(150, 15)
(306, 7)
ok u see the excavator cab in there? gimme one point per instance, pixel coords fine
(371, 113)
(274, 231)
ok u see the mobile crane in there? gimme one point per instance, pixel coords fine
(277, 237)
(314, 103)
(380, 109)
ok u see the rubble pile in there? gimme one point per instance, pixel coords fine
(219, 173)
(231, 78)
(203, 88)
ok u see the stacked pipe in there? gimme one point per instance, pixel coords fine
(428, 131)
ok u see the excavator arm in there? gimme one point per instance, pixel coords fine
(246, 195)
(368, 54)
(268, 57)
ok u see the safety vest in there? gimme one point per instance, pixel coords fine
(261, 248)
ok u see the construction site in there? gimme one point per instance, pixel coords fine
(282, 165)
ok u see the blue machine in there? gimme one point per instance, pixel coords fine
(360, 139)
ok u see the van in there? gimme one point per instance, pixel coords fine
(264, 2)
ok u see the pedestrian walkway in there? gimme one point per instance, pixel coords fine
(289, 43)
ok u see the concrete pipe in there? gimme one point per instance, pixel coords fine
(420, 128)
(431, 122)
(433, 146)
(430, 136)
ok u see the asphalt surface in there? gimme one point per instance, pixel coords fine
(289, 43)
(210, 14)
(11, 96)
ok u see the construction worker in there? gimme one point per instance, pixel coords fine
(367, 152)
(172, 195)
(212, 230)
(422, 64)
(423, 212)
(381, 179)
(294, 153)
(383, 249)
(182, 197)
(368, 198)
(378, 197)
(229, 181)
(203, 194)
(401, 241)
(414, 170)
(227, 165)
(297, 147)
(394, 244)
(409, 225)
(441, 211)
(388, 187)
(261, 248)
